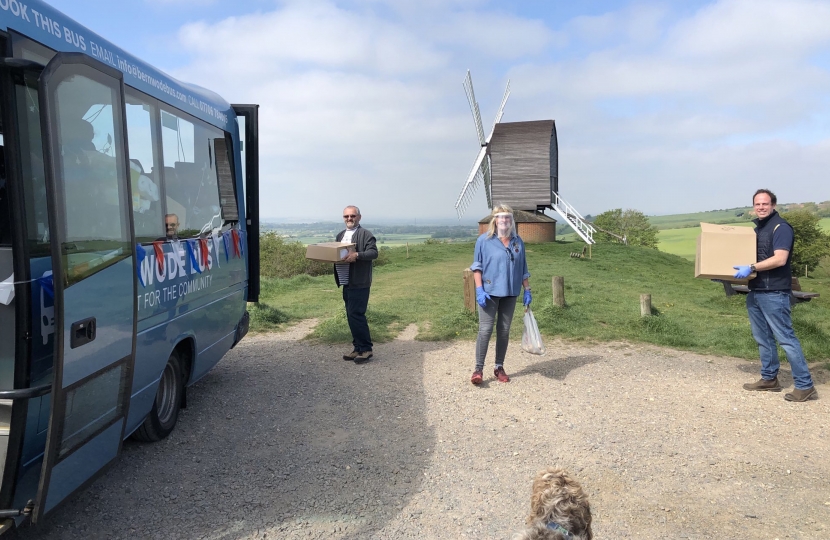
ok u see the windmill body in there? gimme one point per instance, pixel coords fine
(518, 165)
(524, 164)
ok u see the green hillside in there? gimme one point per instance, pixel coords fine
(677, 221)
(683, 242)
(602, 294)
(678, 233)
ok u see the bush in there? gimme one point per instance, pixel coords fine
(811, 242)
(630, 224)
(281, 259)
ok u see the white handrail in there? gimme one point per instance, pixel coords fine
(573, 218)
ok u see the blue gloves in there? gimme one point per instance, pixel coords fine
(481, 296)
(742, 271)
(528, 298)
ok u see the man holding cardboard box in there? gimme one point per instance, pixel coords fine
(768, 301)
(354, 274)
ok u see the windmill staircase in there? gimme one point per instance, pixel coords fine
(573, 218)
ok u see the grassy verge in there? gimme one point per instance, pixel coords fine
(602, 294)
(683, 242)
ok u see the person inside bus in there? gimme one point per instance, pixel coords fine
(171, 226)
(77, 141)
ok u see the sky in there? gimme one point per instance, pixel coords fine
(663, 107)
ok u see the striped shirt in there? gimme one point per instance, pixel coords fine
(343, 268)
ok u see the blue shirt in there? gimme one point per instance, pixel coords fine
(502, 268)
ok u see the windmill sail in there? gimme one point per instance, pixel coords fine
(501, 109)
(471, 98)
(480, 173)
(475, 179)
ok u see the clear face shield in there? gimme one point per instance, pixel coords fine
(504, 224)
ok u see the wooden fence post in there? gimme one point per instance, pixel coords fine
(645, 305)
(469, 291)
(558, 291)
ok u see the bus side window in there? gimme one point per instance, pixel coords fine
(146, 191)
(190, 179)
(225, 176)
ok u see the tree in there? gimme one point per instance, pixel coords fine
(630, 224)
(811, 242)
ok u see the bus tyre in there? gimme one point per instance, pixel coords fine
(162, 418)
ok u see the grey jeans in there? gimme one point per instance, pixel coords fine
(504, 306)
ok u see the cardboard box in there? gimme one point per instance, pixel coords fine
(720, 247)
(328, 251)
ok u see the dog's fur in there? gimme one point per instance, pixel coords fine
(557, 498)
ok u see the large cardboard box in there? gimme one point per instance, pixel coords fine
(720, 247)
(328, 251)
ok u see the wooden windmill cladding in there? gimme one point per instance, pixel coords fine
(524, 164)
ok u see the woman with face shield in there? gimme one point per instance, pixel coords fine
(500, 272)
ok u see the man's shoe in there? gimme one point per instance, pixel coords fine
(351, 356)
(764, 385)
(802, 395)
(477, 377)
(362, 357)
(501, 375)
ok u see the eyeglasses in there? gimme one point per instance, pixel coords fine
(171, 225)
(347, 216)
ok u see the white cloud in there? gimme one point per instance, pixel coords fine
(492, 35)
(309, 34)
(740, 29)
(655, 109)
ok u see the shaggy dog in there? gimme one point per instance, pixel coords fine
(559, 509)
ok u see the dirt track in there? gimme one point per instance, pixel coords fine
(285, 440)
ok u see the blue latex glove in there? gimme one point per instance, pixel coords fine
(742, 271)
(481, 296)
(528, 298)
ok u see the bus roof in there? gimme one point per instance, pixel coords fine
(44, 24)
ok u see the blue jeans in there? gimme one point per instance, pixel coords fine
(504, 307)
(769, 317)
(356, 301)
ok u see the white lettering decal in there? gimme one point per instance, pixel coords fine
(147, 270)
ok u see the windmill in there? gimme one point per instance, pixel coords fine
(518, 165)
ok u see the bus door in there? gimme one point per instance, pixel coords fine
(94, 271)
(248, 119)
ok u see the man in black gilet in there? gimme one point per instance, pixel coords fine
(768, 301)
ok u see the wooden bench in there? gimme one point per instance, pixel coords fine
(796, 294)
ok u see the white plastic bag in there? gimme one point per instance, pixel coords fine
(531, 339)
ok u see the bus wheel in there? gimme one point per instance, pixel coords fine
(162, 419)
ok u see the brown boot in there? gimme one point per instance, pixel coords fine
(802, 395)
(764, 385)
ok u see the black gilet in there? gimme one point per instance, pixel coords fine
(777, 279)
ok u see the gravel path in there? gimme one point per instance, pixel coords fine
(283, 439)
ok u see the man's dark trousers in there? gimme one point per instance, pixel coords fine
(356, 301)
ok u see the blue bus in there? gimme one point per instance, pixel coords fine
(129, 235)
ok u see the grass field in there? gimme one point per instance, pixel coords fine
(677, 221)
(382, 239)
(603, 300)
(683, 242)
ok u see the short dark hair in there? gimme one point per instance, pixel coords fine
(773, 199)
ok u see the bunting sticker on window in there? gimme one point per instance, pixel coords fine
(140, 255)
(158, 247)
(191, 251)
